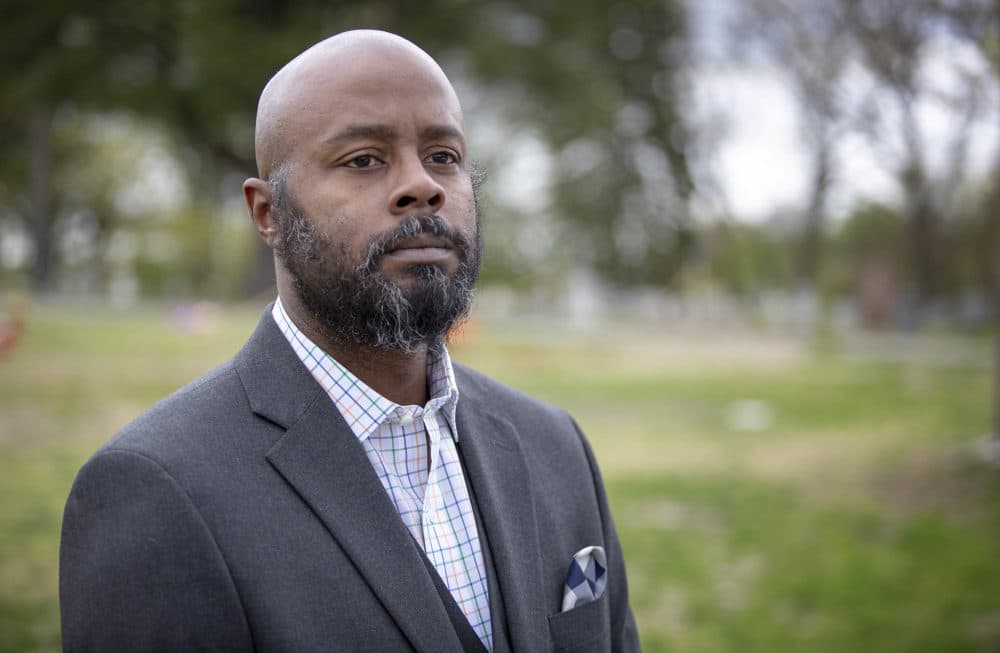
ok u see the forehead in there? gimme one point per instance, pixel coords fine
(390, 89)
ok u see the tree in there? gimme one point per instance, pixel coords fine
(977, 22)
(607, 102)
(599, 83)
(595, 71)
(805, 41)
(894, 37)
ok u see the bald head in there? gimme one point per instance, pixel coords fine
(320, 78)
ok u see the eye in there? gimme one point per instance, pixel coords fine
(363, 161)
(444, 157)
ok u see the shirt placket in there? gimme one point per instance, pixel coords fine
(433, 508)
(403, 427)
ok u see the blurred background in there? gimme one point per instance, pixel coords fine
(753, 246)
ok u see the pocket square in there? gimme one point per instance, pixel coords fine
(587, 577)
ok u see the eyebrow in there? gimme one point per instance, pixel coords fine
(386, 133)
(443, 132)
(352, 132)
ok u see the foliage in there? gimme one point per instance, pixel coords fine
(594, 72)
(805, 41)
(873, 234)
(607, 104)
(597, 90)
(745, 258)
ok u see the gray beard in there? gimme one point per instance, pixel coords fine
(358, 304)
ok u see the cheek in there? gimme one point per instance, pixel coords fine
(335, 225)
(464, 207)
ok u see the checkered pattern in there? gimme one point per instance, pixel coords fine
(430, 497)
(587, 577)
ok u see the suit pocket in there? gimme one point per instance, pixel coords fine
(584, 628)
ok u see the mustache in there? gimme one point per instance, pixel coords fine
(415, 225)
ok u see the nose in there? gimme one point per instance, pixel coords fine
(415, 188)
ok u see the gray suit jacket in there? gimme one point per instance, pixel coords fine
(242, 514)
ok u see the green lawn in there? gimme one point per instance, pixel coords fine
(850, 517)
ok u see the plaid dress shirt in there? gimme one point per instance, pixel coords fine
(431, 499)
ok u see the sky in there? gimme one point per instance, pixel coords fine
(759, 166)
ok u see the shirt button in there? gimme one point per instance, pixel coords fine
(406, 419)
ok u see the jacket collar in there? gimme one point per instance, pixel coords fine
(319, 456)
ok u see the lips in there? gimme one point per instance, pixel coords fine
(421, 250)
(421, 242)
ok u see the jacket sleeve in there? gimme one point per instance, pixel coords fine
(139, 569)
(624, 635)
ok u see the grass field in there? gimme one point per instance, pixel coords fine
(768, 498)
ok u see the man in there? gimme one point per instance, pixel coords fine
(339, 485)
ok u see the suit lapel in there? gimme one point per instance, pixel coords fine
(499, 478)
(320, 457)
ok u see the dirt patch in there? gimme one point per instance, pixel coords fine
(944, 478)
(883, 469)
(634, 455)
(25, 424)
(33, 426)
(827, 466)
(669, 515)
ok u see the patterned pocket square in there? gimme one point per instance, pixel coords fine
(587, 577)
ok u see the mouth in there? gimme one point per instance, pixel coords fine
(421, 250)
(421, 242)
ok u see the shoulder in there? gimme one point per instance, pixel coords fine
(186, 422)
(546, 433)
(478, 388)
(137, 510)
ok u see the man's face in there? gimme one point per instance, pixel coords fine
(374, 205)
(356, 300)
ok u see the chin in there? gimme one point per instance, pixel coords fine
(420, 272)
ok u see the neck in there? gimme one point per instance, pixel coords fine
(398, 376)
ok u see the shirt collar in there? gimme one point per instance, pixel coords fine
(363, 408)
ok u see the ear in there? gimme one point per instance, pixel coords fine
(257, 193)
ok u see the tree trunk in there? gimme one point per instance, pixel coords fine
(924, 234)
(921, 218)
(921, 213)
(39, 188)
(994, 217)
(996, 335)
(809, 261)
